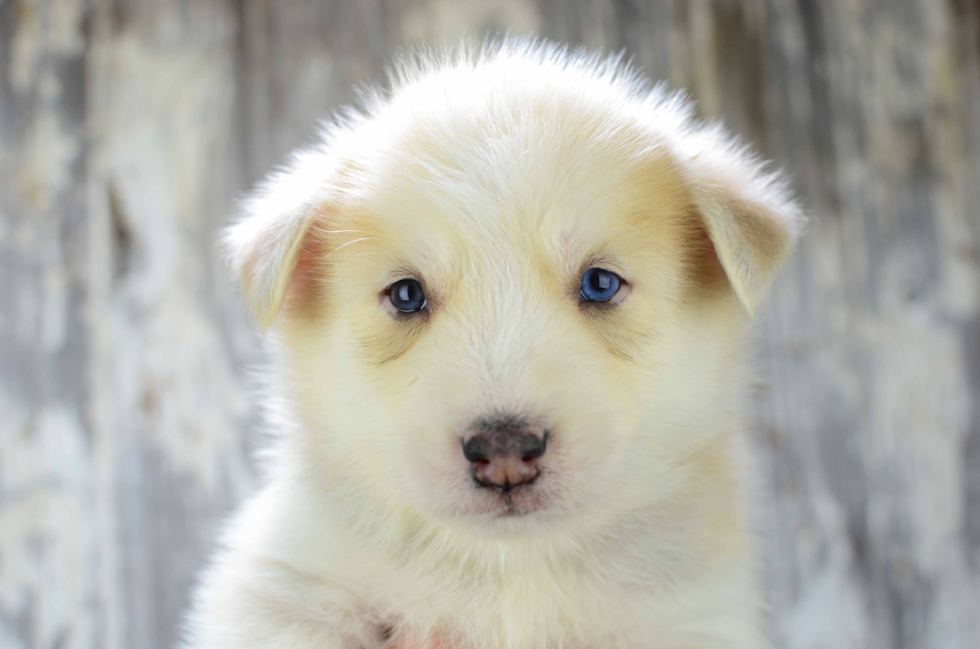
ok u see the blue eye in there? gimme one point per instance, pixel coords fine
(407, 295)
(599, 285)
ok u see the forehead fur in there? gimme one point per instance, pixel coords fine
(512, 132)
(528, 119)
(504, 111)
(508, 89)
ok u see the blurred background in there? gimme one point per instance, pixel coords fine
(127, 416)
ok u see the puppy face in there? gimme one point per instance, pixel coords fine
(513, 297)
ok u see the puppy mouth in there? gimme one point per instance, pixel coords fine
(512, 501)
(507, 490)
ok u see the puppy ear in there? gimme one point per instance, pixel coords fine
(265, 245)
(747, 212)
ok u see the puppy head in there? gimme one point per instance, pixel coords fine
(511, 293)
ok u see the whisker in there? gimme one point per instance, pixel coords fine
(340, 247)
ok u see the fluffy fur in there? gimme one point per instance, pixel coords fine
(496, 177)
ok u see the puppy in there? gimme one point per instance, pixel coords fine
(509, 300)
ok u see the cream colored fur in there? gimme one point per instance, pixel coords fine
(496, 177)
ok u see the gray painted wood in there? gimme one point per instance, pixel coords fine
(126, 417)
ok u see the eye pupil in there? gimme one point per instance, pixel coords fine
(599, 285)
(407, 295)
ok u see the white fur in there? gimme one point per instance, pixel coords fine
(496, 175)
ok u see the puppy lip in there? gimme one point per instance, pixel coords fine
(507, 488)
(511, 501)
(512, 512)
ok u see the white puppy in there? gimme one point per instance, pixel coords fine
(509, 299)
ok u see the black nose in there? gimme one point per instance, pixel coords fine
(482, 447)
(504, 451)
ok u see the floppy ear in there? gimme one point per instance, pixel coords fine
(747, 212)
(265, 244)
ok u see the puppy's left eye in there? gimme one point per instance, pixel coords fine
(407, 296)
(599, 285)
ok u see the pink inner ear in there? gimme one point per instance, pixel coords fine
(304, 276)
(707, 256)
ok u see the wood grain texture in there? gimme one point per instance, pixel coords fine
(128, 128)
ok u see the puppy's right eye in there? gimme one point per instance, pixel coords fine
(407, 296)
(599, 285)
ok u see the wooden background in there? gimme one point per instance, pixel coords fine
(127, 128)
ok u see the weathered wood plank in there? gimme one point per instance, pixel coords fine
(48, 548)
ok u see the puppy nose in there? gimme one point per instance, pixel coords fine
(504, 451)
